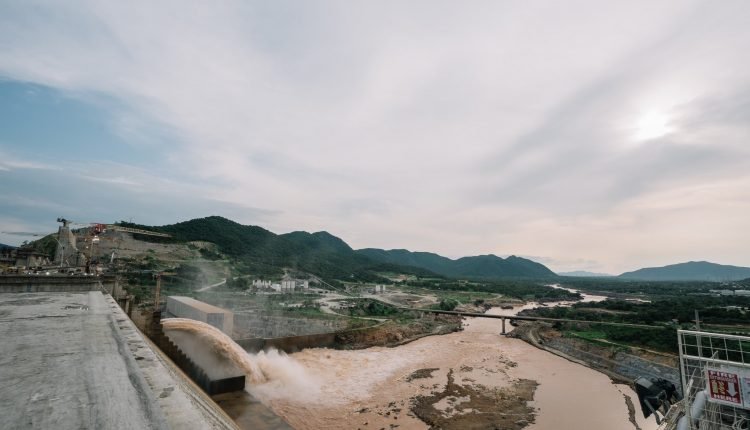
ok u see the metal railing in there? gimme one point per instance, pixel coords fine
(715, 372)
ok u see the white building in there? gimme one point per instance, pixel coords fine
(288, 285)
(257, 283)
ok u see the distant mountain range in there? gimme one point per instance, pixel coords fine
(328, 256)
(2, 245)
(584, 274)
(690, 271)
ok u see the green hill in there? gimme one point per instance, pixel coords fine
(262, 251)
(426, 260)
(690, 271)
(480, 267)
(328, 256)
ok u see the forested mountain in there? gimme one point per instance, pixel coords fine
(481, 266)
(690, 271)
(321, 241)
(319, 253)
(327, 255)
(425, 260)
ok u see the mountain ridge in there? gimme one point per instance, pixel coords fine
(323, 252)
(479, 266)
(689, 271)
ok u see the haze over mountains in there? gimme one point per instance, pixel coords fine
(585, 274)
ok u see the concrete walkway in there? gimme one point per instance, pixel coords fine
(73, 360)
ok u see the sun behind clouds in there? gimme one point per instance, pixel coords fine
(652, 124)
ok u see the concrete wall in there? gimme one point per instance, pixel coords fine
(261, 325)
(289, 344)
(48, 283)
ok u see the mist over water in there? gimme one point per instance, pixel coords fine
(270, 374)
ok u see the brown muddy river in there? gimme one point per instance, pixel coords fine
(373, 388)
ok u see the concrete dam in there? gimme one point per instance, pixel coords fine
(75, 360)
(72, 358)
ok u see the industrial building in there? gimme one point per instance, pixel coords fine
(186, 307)
(287, 285)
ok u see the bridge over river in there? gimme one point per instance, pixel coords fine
(529, 318)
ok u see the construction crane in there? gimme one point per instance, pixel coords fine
(135, 230)
(96, 227)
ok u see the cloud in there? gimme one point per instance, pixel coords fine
(115, 181)
(462, 129)
(9, 163)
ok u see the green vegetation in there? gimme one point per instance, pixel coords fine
(372, 308)
(46, 245)
(447, 305)
(664, 339)
(515, 288)
(331, 258)
(719, 313)
(258, 251)
(713, 310)
(587, 334)
(645, 289)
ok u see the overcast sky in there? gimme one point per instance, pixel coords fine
(587, 135)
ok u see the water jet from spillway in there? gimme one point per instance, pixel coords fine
(270, 374)
(219, 344)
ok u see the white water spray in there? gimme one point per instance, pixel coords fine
(217, 343)
(270, 374)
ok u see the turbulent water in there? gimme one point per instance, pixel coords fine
(270, 374)
(217, 343)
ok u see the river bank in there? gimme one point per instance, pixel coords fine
(622, 364)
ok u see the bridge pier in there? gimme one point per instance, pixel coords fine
(503, 325)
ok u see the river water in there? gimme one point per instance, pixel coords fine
(372, 388)
(362, 388)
